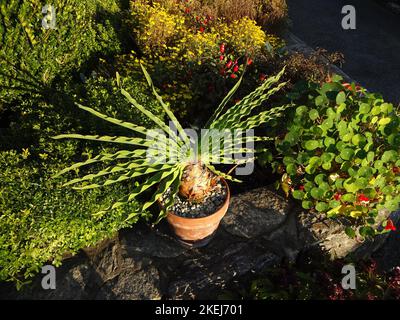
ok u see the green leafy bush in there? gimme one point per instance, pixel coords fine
(194, 57)
(104, 95)
(31, 57)
(40, 221)
(340, 154)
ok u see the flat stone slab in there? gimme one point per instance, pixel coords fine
(255, 213)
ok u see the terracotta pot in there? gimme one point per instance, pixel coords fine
(197, 232)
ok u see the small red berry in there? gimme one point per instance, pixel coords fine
(233, 76)
(301, 188)
(221, 57)
(222, 48)
(363, 198)
(187, 10)
(236, 68)
(249, 62)
(201, 29)
(396, 170)
(229, 64)
(337, 196)
(263, 76)
(390, 225)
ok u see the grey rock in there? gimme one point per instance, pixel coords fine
(256, 212)
(133, 282)
(151, 243)
(330, 235)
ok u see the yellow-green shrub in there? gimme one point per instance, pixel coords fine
(180, 45)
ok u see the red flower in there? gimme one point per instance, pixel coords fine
(222, 48)
(236, 68)
(263, 76)
(229, 64)
(301, 188)
(390, 225)
(233, 76)
(201, 29)
(249, 61)
(221, 57)
(347, 86)
(363, 198)
(337, 196)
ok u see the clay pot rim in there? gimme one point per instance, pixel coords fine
(221, 209)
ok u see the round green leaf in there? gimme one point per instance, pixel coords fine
(307, 204)
(364, 108)
(329, 141)
(341, 97)
(313, 114)
(317, 193)
(320, 178)
(311, 145)
(298, 194)
(347, 154)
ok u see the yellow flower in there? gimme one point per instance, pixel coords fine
(25, 153)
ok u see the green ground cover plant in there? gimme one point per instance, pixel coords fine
(340, 155)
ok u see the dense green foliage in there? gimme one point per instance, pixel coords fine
(340, 154)
(32, 58)
(42, 74)
(40, 221)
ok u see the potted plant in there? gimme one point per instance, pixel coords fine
(180, 168)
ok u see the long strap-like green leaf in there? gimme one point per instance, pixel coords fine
(131, 175)
(168, 203)
(224, 102)
(159, 176)
(174, 138)
(221, 174)
(119, 139)
(122, 154)
(139, 163)
(249, 103)
(128, 125)
(165, 107)
(263, 117)
(163, 187)
(247, 110)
